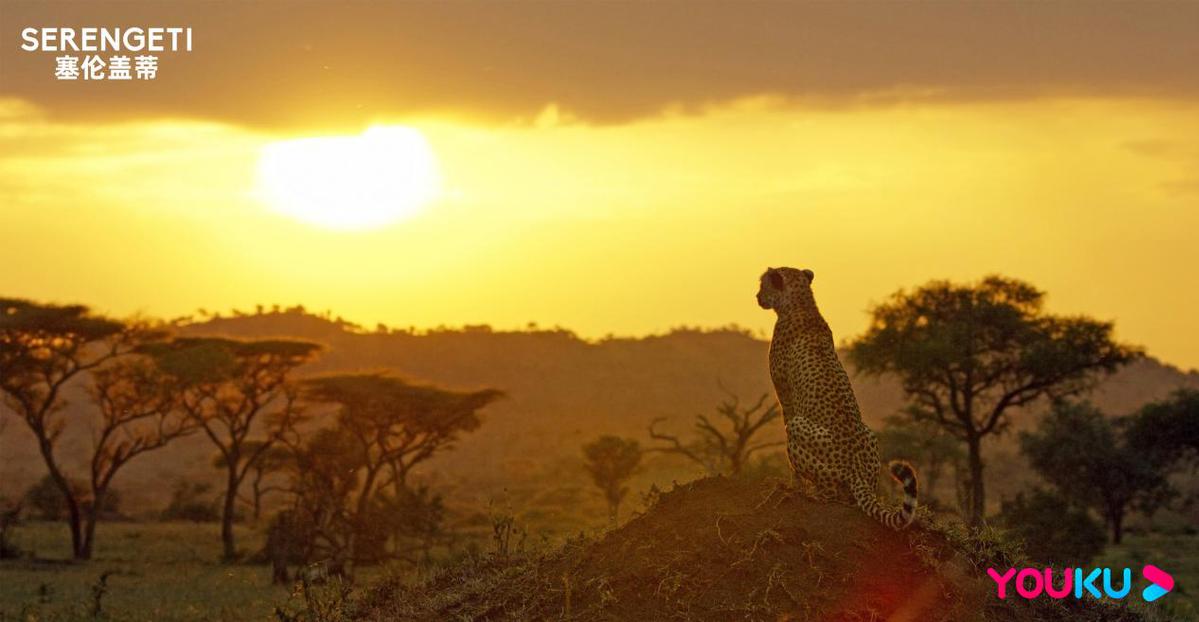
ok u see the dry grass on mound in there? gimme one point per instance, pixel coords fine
(721, 549)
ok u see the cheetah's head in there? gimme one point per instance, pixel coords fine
(780, 287)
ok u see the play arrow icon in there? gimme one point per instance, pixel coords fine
(1161, 582)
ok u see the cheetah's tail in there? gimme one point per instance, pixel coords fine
(906, 476)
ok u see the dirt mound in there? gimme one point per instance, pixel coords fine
(720, 549)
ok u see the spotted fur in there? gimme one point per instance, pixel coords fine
(828, 446)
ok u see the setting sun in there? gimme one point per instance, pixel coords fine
(350, 182)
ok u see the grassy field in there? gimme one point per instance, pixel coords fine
(170, 571)
(158, 571)
(1177, 555)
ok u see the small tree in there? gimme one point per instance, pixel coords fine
(326, 473)
(718, 450)
(238, 393)
(418, 523)
(1084, 455)
(970, 355)
(385, 428)
(332, 519)
(611, 461)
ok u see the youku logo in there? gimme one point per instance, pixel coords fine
(1033, 582)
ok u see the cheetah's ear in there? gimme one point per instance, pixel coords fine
(808, 273)
(776, 279)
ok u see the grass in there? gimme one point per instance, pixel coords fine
(155, 571)
(170, 571)
(1177, 555)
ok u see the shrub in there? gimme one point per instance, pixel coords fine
(192, 501)
(46, 502)
(1054, 531)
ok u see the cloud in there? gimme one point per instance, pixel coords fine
(343, 64)
(1161, 148)
(1182, 155)
(1182, 186)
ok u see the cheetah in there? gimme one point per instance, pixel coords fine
(827, 444)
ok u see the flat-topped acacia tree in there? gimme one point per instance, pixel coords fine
(384, 428)
(969, 355)
(240, 396)
(138, 413)
(43, 347)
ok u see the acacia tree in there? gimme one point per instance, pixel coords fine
(969, 355)
(385, 428)
(138, 414)
(43, 348)
(611, 461)
(718, 450)
(1088, 458)
(238, 394)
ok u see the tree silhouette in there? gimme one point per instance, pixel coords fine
(611, 461)
(239, 395)
(718, 450)
(1085, 456)
(138, 414)
(326, 472)
(1168, 429)
(385, 427)
(42, 348)
(968, 355)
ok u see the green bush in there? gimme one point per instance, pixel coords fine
(192, 501)
(1054, 531)
(44, 500)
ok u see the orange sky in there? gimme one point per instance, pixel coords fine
(583, 189)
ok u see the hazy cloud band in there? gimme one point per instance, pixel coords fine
(324, 64)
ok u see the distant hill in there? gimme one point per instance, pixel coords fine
(562, 391)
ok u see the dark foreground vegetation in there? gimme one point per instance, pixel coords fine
(731, 549)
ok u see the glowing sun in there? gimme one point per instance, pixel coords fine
(384, 175)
